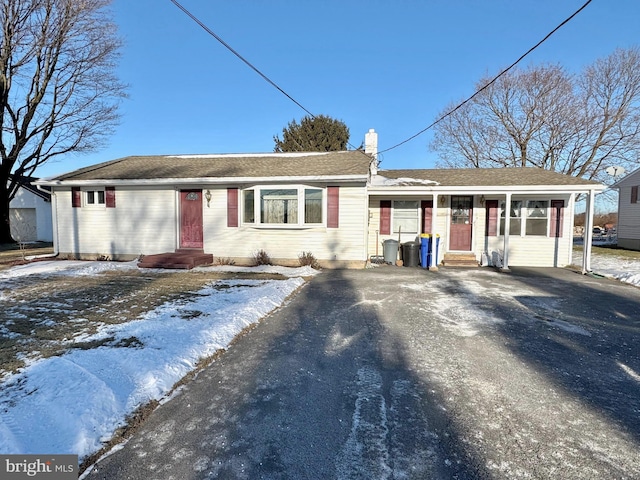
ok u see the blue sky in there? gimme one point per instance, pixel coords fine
(388, 65)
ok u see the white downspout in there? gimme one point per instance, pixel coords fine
(588, 234)
(434, 237)
(507, 228)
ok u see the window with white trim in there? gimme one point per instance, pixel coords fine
(527, 217)
(288, 206)
(406, 216)
(94, 198)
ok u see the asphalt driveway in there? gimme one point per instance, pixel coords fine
(404, 373)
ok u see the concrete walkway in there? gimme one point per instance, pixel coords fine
(404, 373)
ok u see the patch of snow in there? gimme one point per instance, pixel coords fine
(382, 181)
(275, 269)
(570, 327)
(624, 269)
(66, 267)
(365, 453)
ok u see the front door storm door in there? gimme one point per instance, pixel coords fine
(191, 219)
(461, 223)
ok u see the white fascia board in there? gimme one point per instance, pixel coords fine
(208, 181)
(529, 190)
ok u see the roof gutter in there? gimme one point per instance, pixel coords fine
(477, 190)
(205, 180)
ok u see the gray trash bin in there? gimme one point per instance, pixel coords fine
(390, 251)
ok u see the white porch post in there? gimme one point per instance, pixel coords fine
(507, 228)
(588, 233)
(434, 238)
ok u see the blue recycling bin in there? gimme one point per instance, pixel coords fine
(425, 250)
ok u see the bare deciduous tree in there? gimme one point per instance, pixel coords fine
(58, 90)
(547, 118)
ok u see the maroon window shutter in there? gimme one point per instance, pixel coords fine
(232, 207)
(557, 216)
(427, 215)
(333, 207)
(385, 217)
(110, 196)
(76, 198)
(634, 194)
(492, 218)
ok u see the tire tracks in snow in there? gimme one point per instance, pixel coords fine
(386, 441)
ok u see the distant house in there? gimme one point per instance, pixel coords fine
(336, 205)
(628, 228)
(30, 213)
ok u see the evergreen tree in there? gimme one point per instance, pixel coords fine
(313, 134)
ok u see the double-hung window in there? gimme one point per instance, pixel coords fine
(406, 216)
(290, 206)
(526, 217)
(537, 217)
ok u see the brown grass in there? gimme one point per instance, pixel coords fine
(44, 315)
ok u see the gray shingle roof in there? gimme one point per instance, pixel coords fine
(489, 177)
(226, 166)
(325, 164)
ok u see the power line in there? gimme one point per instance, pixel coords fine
(255, 69)
(247, 62)
(439, 119)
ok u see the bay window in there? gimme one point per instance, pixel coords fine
(293, 206)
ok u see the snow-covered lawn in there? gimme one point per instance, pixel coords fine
(75, 401)
(622, 268)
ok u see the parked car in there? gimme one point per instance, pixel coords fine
(597, 231)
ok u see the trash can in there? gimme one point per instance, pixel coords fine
(390, 251)
(411, 254)
(425, 250)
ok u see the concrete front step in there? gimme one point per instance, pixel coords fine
(460, 260)
(181, 259)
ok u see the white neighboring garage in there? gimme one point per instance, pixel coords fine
(30, 213)
(629, 211)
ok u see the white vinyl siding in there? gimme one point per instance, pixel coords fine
(628, 228)
(345, 243)
(143, 223)
(536, 250)
(532, 250)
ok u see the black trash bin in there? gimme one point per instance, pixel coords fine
(411, 254)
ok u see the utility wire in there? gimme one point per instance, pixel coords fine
(214, 35)
(434, 123)
(247, 62)
(439, 119)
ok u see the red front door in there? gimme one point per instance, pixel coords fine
(461, 223)
(191, 219)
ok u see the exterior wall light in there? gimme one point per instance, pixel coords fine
(207, 195)
(482, 200)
